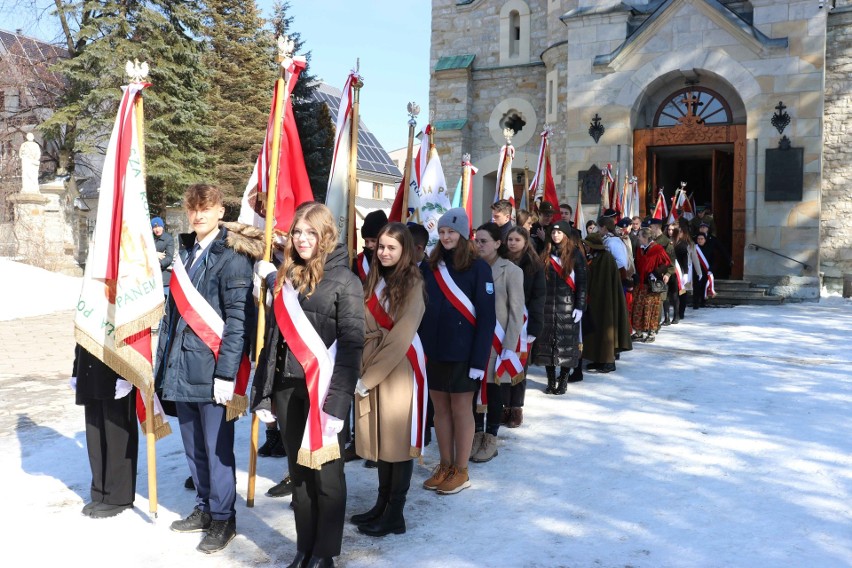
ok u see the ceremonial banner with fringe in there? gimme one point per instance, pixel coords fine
(434, 198)
(505, 189)
(660, 209)
(466, 180)
(542, 184)
(122, 292)
(420, 161)
(317, 446)
(417, 359)
(200, 316)
(293, 186)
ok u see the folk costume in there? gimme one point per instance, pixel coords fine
(606, 328)
(309, 364)
(651, 261)
(205, 336)
(390, 420)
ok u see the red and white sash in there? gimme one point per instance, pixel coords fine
(462, 303)
(363, 266)
(200, 316)
(710, 287)
(511, 365)
(556, 263)
(317, 361)
(681, 283)
(523, 341)
(417, 359)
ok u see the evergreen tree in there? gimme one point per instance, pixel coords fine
(243, 73)
(160, 32)
(313, 121)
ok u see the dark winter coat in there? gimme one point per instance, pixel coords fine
(558, 344)
(95, 380)
(185, 364)
(446, 334)
(606, 324)
(336, 311)
(535, 293)
(165, 243)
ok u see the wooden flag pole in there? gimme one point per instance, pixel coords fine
(465, 185)
(285, 52)
(352, 241)
(150, 436)
(413, 111)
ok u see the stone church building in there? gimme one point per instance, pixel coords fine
(748, 102)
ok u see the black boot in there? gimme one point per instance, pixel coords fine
(385, 481)
(562, 385)
(300, 561)
(577, 373)
(317, 562)
(392, 520)
(551, 380)
(272, 438)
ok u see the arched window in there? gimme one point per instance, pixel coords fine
(705, 104)
(514, 33)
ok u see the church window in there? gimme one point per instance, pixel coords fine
(514, 32)
(514, 120)
(705, 104)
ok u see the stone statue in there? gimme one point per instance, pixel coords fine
(30, 154)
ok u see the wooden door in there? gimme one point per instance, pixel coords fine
(723, 203)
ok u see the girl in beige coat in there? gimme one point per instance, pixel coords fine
(388, 409)
(509, 307)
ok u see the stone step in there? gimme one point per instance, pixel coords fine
(748, 293)
(740, 301)
(733, 285)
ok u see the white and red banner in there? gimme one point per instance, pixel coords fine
(630, 207)
(434, 198)
(293, 186)
(678, 201)
(689, 208)
(318, 446)
(542, 185)
(417, 168)
(337, 193)
(660, 208)
(122, 293)
(466, 179)
(417, 359)
(579, 216)
(200, 316)
(607, 186)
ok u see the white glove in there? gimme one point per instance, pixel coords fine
(72, 382)
(264, 268)
(506, 354)
(265, 416)
(122, 388)
(361, 389)
(577, 315)
(223, 391)
(476, 374)
(256, 282)
(333, 425)
(530, 338)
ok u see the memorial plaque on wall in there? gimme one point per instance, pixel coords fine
(590, 185)
(784, 174)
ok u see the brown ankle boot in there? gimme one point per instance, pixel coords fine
(516, 418)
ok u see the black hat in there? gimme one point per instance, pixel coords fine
(703, 225)
(562, 225)
(655, 222)
(625, 222)
(609, 213)
(646, 223)
(373, 223)
(595, 241)
(546, 208)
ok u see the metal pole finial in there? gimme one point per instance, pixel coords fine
(136, 71)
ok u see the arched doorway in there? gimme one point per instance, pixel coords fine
(693, 139)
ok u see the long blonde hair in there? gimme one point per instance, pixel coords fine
(305, 275)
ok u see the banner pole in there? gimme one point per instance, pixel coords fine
(413, 111)
(351, 238)
(272, 185)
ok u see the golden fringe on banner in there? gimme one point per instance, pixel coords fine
(518, 378)
(161, 427)
(481, 408)
(314, 460)
(149, 320)
(127, 364)
(237, 407)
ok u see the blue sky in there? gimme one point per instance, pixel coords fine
(391, 37)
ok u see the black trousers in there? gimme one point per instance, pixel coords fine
(493, 413)
(112, 440)
(514, 395)
(319, 495)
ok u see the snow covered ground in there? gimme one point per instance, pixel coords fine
(724, 444)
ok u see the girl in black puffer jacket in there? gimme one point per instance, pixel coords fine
(559, 342)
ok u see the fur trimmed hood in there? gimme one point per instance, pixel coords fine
(244, 239)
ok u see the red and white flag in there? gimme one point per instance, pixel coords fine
(542, 184)
(122, 292)
(660, 209)
(505, 189)
(466, 179)
(579, 216)
(337, 194)
(688, 208)
(631, 198)
(293, 186)
(417, 169)
(434, 198)
(607, 183)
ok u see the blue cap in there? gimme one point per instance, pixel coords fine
(157, 222)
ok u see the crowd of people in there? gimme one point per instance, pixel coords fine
(363, 358)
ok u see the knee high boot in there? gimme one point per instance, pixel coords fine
(392, 520)
(385, 470)
(563, 380)
(551, 379)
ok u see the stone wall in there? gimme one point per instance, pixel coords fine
(835, 232)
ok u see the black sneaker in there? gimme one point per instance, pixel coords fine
(189, 483)
(349, 453)
(218, 537)
(282, 489)
(370, 464)
(198, 521)
(105, 511)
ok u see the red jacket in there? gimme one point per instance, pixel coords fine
(652, 259)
